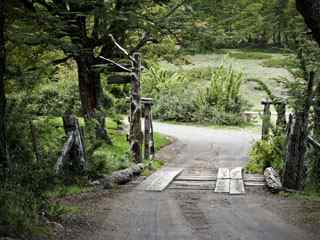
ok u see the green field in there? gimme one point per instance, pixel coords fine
(258, 64)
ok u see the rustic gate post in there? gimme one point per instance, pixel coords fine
(148, 133)
(266, 119)
(135, 136)
(73, 149)
(281, 115)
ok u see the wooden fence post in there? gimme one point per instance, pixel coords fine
(135, 136)
(148, 133)
(281, 115)
(73, 149)
(266, 119)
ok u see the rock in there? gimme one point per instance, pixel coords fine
(273, 179)
(106, 182)
(56, 227)
(94, 183)
(137, 169)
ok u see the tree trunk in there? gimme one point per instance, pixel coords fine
(310, 10)
(294, 170)
(91, 94)
(316, 107)
(3, 139)
(135, 136)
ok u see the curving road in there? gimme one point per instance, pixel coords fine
(129, 214)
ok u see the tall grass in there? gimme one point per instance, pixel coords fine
(223, 92)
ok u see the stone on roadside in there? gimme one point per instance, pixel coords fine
(272, 179)
(106, 182)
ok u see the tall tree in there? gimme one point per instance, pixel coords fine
(310, 10)
(3, 140)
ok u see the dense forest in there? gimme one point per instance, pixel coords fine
(58, 59)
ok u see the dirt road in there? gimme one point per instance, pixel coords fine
(127, 213)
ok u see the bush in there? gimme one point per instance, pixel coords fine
(178, 98)
(223, 92)
(267, 153)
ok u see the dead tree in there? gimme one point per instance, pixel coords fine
(266, 119)
(72, 159)
(135, 137)
(294, 170)
(135, 134)
(148, 129)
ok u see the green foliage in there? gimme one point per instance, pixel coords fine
(223, 92)
(284, 62)
(22, 197)
(160, 141)
(178, 98)
(172, 93)
(267, 153)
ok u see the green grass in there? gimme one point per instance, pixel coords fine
(309, 194)
(280, 62)
(63, 191)
(161, 141)
(250, 55)
(260, 64)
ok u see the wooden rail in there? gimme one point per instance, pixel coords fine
(313, 142)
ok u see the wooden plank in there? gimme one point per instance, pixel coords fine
(253, 177)
(236, 186)
(193, 183)
(223, 173)
(111, 67)
(159, 180)
(222, 186)
(253, 184)
(119, 79)
(196, 178)
(236, 173)
(194, 186)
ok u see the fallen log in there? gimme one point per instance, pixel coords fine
(122, 176)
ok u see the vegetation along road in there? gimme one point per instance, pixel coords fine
(128, 213)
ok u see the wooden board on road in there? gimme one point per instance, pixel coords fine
(196, 178)
(223, 173)
(222, 186)
(192, 185)
(236, 186)
(236, 173)
(253, 178)
(159, 180)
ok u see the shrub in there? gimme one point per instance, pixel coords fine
(178, 98)
(267, 153)
(224, 91)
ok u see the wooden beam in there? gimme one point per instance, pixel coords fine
(119, 79)
(111, 68)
